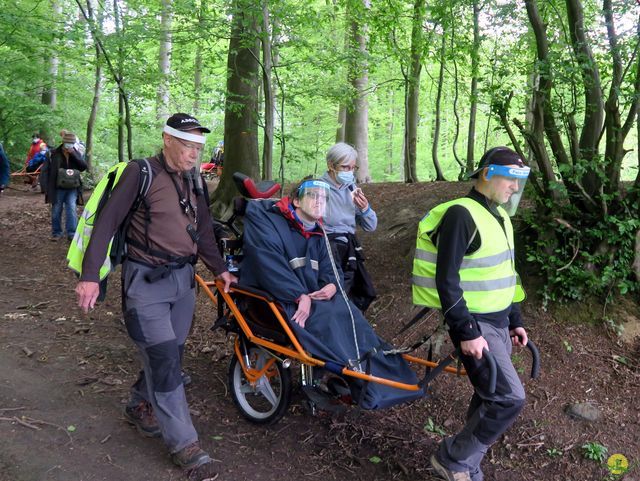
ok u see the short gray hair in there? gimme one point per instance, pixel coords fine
(341, 154)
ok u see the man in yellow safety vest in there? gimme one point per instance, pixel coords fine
(464, 265)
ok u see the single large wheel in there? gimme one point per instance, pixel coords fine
(265, 400)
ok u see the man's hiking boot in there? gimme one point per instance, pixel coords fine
(190, 457)
(142, 417)
(444, 473)
(204, 472)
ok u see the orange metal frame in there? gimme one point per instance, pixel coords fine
(296, 351)
(23, 172)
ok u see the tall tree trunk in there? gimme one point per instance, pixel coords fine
(119, 79)
(342, 119)
(615, 131)
(473, 108)
(357, 121)
(97, 86)
(50, 91)
(594, 108)
(269, 106)
(544, 117)
(412, 86)
(164, 62)
(491, 81)
(456, 87)
(240, 123)
(123, 102)
(436, 128)
(197, 65)
(391, 130)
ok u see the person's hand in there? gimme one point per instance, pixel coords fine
(519, 336)
(360, 200)
(324, 294)
(474, 347)
(87, 294)
(228, 278)
(302, 313)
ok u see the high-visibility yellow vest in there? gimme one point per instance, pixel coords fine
(81, 238)
(488, 277)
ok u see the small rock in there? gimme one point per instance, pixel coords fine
(586, 411)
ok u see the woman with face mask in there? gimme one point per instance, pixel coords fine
(348, 207)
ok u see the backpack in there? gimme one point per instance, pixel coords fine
(92, 209)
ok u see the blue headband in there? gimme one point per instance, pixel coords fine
(506, 171)
(314, 184)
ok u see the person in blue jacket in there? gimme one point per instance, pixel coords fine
(5, 170)
(286, 253)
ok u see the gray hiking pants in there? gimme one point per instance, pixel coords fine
(489, 415)
(158, 317)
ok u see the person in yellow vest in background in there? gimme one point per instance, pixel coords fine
(464, 265)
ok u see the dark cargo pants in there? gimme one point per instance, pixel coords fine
(489, 415)
(158, 317)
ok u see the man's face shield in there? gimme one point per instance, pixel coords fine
(313, 196)
(507, 185)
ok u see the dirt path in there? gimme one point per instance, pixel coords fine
(64, 378)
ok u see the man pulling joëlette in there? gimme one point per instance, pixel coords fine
(464, 264)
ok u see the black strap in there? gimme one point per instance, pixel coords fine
(180, 260)
(184, 200)
(431, 374)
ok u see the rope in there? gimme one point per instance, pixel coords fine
(346, 300)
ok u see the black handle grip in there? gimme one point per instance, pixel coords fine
(535, 359)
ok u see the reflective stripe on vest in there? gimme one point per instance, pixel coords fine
(487, 277)
(82, 237)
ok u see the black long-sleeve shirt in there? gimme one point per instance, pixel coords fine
(456, 237)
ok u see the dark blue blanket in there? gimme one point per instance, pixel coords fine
(279, 259)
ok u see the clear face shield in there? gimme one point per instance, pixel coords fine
(508, 185)
(313, 197)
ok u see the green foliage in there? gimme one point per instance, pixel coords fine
(594, 451)
(554, 452)
(431, 427)
(580, 254)
(518, 362)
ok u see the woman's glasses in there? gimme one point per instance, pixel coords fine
(347, 168)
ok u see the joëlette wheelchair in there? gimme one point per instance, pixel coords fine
(265, 346)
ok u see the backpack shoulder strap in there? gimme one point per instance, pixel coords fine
(144, 182)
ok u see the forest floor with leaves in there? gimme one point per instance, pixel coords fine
(65, 376)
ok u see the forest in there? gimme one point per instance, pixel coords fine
(421, 89)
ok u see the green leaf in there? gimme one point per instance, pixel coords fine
(216, 438)
(71, 428)
(375, 459)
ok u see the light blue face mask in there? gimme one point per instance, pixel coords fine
(345, 177)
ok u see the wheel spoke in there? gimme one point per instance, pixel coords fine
(264, 388)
